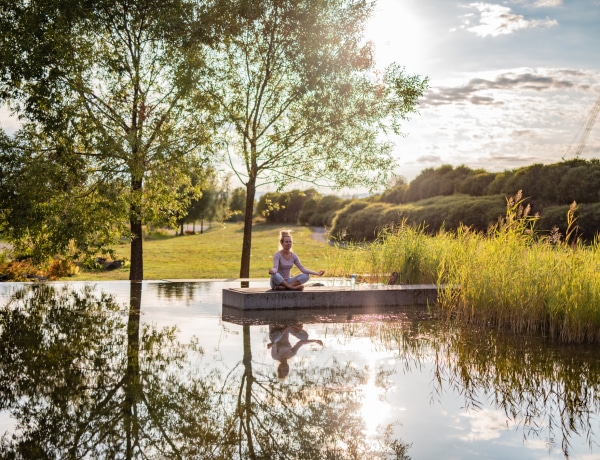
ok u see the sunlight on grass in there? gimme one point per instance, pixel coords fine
(216, 254)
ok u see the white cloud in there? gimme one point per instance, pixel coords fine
(540, 3)
(548, 3)
(485, 425)
(495, 20)
(501, 119)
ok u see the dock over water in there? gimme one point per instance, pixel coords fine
(368, 296)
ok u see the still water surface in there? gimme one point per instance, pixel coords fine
(83, 375)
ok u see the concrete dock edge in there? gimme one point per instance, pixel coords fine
(330, 297)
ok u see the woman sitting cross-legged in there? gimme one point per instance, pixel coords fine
(283, 261)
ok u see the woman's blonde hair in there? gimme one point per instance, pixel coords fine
(282, 235)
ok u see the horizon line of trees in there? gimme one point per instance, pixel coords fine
(558, 183)
(448, 197)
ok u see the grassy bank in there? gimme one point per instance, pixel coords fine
(214, 254)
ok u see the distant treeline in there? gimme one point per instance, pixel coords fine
(447, 197)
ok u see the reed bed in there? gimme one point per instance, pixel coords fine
(511, 278)
(523, 288)
(405, 253)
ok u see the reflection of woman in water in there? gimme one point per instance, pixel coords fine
(282, 349)
(283, 261)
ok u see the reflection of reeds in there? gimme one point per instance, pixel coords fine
(550, 391)
(512, 278)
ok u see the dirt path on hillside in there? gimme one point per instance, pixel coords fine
(319, 234)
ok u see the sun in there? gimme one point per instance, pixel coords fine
(398, 33)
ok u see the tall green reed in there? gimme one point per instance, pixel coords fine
(346, 258)
(511, 278)
(517, 279)
(406, 251)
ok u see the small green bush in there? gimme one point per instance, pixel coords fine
(364, 225)
(325, 211)
(342, 218)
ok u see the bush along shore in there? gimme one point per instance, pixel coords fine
(512, 278)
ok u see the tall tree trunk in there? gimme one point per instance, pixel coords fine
(247, 241)
(136, 271)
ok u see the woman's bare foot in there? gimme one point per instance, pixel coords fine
(290, 287)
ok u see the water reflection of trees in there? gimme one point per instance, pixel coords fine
(82, 382)
(82, 378)
(317, 416)
(552, 392)
(176, 290)
(188, 291)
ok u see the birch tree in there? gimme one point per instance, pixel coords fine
(300, 99)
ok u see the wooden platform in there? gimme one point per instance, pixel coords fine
(330, 297)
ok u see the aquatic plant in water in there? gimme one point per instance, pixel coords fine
(511, 278)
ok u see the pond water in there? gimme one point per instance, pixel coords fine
(160, 370)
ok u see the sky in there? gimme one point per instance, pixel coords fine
(512, 83)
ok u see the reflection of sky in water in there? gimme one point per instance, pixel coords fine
(437, 423)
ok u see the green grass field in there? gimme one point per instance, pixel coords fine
(215, 253)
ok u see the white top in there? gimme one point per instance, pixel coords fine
(284, 266)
